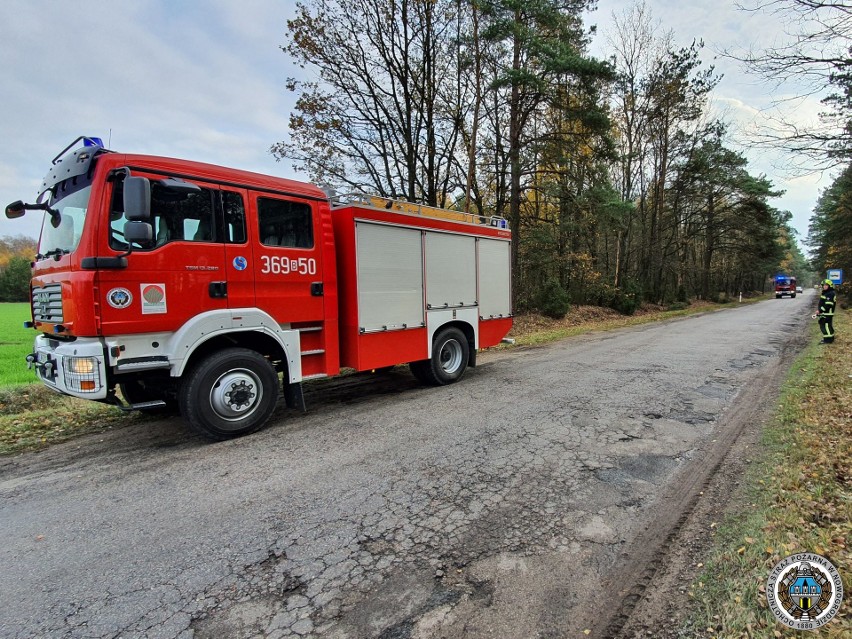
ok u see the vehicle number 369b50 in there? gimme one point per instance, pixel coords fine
(281, 265)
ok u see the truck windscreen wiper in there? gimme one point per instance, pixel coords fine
(57, 253)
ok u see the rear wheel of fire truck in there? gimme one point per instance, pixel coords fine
(450, 353)
(229, 393)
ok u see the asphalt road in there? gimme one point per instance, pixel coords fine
(502, 506)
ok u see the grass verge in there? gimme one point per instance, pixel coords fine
(16, 343)
(33, 417)
(797, 498)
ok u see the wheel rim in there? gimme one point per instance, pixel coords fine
(236, 394)
(451, 356)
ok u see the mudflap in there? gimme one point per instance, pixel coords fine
(294, 397)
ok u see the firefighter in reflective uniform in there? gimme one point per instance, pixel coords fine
(825, 312)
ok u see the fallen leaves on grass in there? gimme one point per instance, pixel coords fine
(527, 324)
(800, 498)
(33, 417)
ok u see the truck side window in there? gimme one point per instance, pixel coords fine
(235, 217)
(285, 223)
(188, 217)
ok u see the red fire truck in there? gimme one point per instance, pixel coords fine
(785, 285)
(192, 286)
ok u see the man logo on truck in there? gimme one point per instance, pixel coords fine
(43, 301)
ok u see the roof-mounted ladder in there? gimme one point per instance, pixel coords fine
(414, 208)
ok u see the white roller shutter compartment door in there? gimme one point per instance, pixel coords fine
(450, 270)
(495, 277)
(390, 277)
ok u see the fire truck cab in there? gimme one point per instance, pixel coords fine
(785, 285)
(193, 286)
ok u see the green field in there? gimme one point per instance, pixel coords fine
(16, 342)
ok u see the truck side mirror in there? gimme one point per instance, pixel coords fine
(141, 233)
(137, 199)
(15, 210)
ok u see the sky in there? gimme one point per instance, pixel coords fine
(205, 80)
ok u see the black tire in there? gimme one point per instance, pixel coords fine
(229, 394)
(420, 371)
(136, 392)
(450, 354)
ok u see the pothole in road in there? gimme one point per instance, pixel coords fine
(650, 468)
(716, 391)
(694, 418)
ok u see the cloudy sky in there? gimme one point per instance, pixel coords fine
(204, 80)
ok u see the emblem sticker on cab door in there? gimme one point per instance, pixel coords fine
(153, 298)
(119, 298)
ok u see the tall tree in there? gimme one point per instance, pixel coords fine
(816, 58)
(495, 106)
(636, 49)
(16, 253)
(544, 42)
(830, 230)
(378, 119)
(476, 64)
(571, 188)
(678, 88)
(20, 246)
(15, 280)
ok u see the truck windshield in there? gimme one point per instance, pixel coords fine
(65, 237)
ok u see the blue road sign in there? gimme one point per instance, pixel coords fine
(835, 275)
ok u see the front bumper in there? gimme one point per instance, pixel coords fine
(75, 368)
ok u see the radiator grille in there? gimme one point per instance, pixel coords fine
(47, 304)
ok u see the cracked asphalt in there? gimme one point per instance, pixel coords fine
(495, 507)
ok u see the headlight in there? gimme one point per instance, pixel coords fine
(81, 365)
(82, 374)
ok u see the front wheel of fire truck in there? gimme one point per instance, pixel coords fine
(450, 354)
(229, 393)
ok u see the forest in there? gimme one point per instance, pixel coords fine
(619, 184)
(16, 254)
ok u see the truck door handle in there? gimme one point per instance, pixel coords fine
(316, 289)
(218, 289)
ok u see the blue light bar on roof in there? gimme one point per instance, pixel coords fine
(93, 142)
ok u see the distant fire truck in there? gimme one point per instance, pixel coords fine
(193, 286)
(785, 285)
